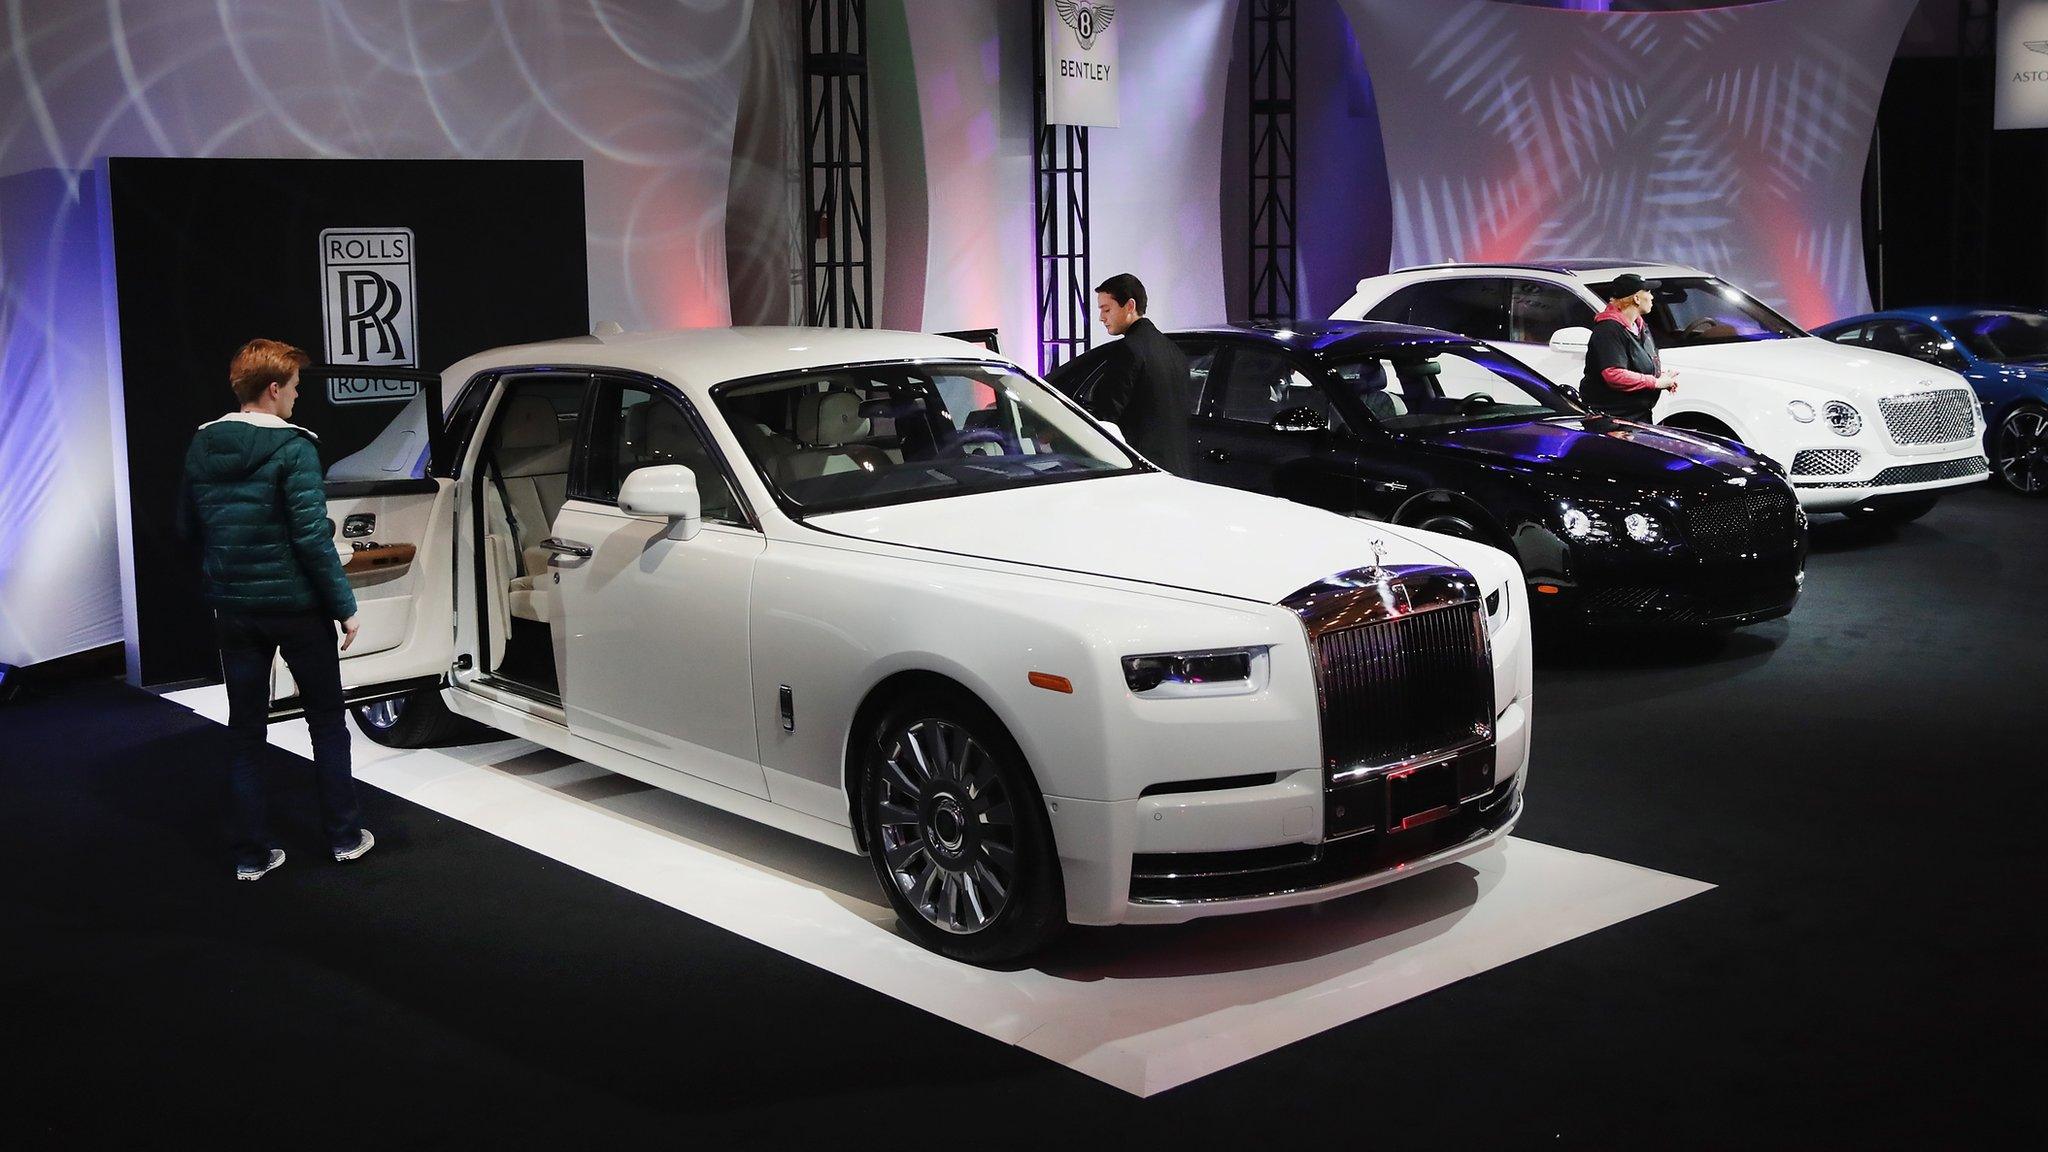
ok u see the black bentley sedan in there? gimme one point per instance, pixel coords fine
(1614, 522)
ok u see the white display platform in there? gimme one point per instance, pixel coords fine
(1144, 1009)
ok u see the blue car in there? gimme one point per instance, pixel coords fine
(2004, 354)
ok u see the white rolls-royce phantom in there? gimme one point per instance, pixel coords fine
(892, 593)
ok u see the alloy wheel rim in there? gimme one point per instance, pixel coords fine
(382, 714)
(2023, 451)
(948, 830)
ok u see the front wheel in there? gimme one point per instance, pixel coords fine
(1903, 510)
(957, 832)
(2019, 450)
(414, 720)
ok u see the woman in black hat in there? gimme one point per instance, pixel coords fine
(1623, 372)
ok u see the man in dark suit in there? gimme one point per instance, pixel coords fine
(1145, 390)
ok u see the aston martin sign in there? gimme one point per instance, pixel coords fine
(2022, 82)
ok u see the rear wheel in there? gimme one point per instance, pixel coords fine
(414, 720)
(2019, 450)
(1903, 510)
(957, 832)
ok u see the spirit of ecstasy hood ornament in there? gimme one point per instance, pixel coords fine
(1377, 570)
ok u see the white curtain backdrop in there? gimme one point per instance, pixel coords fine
(644, 92)
(1733, 139)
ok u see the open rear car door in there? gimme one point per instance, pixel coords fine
(391, 507)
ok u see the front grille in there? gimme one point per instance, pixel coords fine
(1756, 521)
(1826, 461)
(1405, 687)
(1930, 417)
(1918, 473)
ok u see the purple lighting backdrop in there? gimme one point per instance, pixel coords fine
(1732, 138)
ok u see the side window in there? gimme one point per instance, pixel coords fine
(1475, 307)
(634, 426)
(1849, 335)
(1201, 363)
(1261, 384)
(1924, 343)
(469, 408)
(1536, 310)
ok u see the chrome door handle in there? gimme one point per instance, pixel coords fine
(561, 547)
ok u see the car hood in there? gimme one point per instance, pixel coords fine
(1154, 528)
(1598, 448)
(1854, 374)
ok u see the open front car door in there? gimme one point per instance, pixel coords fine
(391, 506)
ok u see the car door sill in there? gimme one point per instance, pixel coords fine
(519, 697)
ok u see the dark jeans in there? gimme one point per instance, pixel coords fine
(248, 642)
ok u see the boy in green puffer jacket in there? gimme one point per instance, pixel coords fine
(253, 500)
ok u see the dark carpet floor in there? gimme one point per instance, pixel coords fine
(1865, 782)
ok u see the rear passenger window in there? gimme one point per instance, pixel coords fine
(1260, 384)
(1536, 310)
(1475, 307)
(1201, 365)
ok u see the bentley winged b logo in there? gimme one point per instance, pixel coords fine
(1085, 18)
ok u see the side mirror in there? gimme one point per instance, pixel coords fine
(1571, 341)
(1301, 420)
(668, 491)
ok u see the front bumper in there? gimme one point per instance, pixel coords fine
(1258, 848)
(1894, 476)
(1727, 601)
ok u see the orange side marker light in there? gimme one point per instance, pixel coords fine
(1548, 589)
(1052, 683)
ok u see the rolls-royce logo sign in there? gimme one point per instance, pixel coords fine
(366, 292)
(1085, 18)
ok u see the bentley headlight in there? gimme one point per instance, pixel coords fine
(1801, 411)
(1843, 418)
(1580, 524)
(1641, 528)
(1216, 672)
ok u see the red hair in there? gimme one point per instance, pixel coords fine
(262, 363)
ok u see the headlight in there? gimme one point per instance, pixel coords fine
(1843, 418)
(1641, 528)
(1216, 672)
(1801, 411)
(1579, 524)
(1497, 603)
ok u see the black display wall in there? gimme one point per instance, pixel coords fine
(211, 253)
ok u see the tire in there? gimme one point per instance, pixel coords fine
(2019, 450)
(957, 832)
(414, 720)
(1903, 510)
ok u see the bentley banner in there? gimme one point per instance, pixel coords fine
(2022, 65)
(1080, 62)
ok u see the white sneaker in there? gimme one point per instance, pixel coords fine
(276, 858)
(365, 845)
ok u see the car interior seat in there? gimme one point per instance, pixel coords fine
(828, 427)
(531, 467)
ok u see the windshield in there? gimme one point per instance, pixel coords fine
(1448, 387)
(1701, 310)
(886, 433)
(2004, 336)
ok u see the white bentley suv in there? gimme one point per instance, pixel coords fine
(1862, 433)
(892, 593)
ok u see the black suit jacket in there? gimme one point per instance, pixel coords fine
(1147, 392)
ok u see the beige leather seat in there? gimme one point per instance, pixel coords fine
(828, 424)
(533, 464)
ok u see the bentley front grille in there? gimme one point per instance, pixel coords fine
(1930, 417)
(1826, 462)
(1755, 521)
(1916, 473)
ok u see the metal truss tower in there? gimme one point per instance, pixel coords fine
(1969, 203)
(839, 277)
(1274, 297)
(1059, 203)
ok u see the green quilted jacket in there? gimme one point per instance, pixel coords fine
(252, 500)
